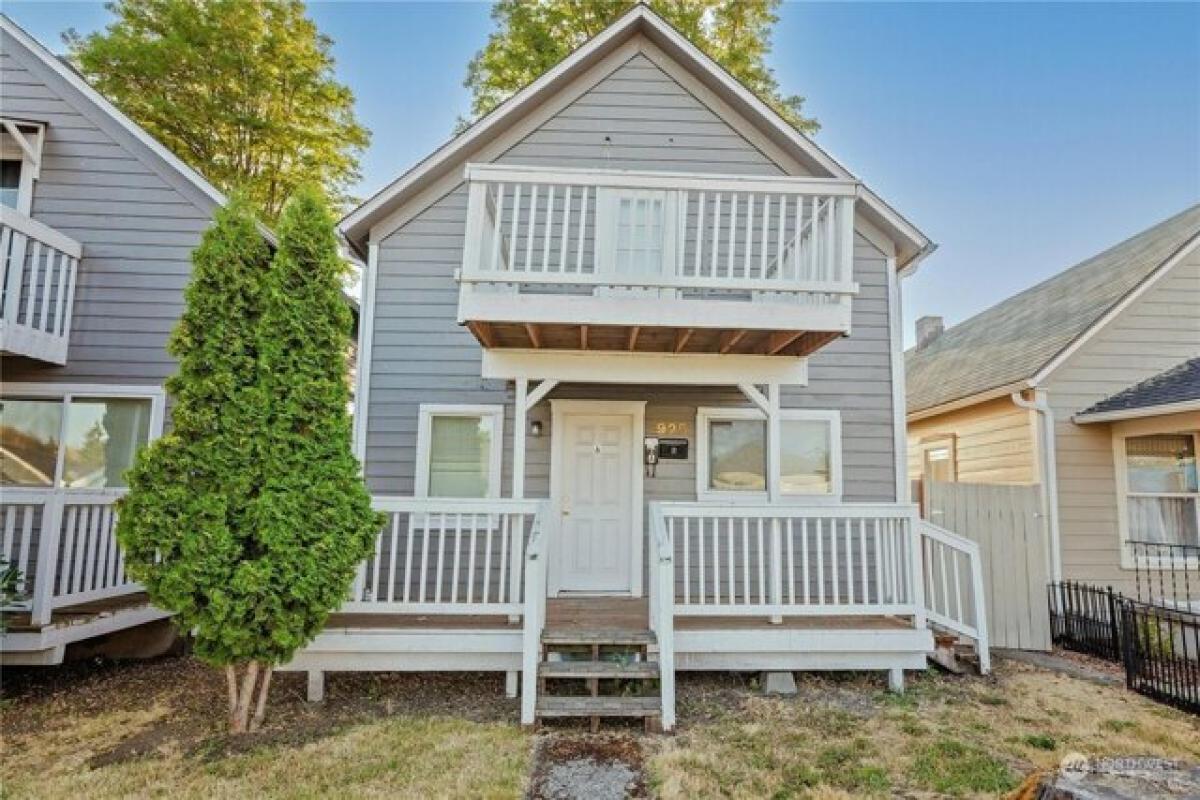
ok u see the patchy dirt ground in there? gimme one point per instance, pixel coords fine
(156, 729)
(103, 729)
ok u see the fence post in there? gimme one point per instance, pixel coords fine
(1113, 622)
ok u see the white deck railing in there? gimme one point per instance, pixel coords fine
(64, 544)
(780, 560)
(39, 273)
(534, 620)
(952, 579)
(662, 609)
(659, 235)
(446, 556)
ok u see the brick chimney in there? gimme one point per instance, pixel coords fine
(928, 329)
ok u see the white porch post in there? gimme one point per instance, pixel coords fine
(517, 549)
(774, 492)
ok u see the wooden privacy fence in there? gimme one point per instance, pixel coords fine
(1007, 524)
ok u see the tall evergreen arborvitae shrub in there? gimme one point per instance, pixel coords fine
(251, 545)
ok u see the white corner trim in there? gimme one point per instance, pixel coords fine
(1181, 407)
(424, 441)
(1131, 297)
(706, 414)
(899, 425)
(80, 85)
(366, 340)
(592, 366)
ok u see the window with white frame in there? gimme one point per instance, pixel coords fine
(732, 453)
(459, 451)
(1159, 488)
(73, 441)
(20, 162)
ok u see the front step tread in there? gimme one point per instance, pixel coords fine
(599, 706)
(598, 636)
(599, 669)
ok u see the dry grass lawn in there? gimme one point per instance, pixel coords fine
(957, 737)
(156, 730)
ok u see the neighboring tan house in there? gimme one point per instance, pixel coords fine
(97, 225)
(1088, 385)
(631, 390)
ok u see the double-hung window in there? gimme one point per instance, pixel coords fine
(1158, 485)
(459, 451)
(58, 438)
(732, 457)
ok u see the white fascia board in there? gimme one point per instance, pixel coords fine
(675, 313)
(690, 369)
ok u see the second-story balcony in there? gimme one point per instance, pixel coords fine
(656, 262)
(39, 270)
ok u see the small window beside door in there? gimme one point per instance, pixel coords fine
(732, 454)
(459, 451)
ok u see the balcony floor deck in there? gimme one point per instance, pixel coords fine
(79, 614)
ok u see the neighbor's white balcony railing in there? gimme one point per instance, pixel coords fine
(644, 236)
(64, 544)
(39, 271)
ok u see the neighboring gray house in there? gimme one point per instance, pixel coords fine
(97, 225)
(631, 379)
(1086, 385)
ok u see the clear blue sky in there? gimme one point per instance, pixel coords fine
(1021, 137)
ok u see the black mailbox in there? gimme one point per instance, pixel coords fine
(673, 449)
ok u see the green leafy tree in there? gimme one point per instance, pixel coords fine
(531, 37)
(212, 525)
(242, 90)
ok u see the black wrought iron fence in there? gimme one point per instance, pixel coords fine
(1155, 636)
(1161, 653)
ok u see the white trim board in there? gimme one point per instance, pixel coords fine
(639, 19)
(694, 369)
(636, 411)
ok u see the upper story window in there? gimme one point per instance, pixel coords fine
(73, 442)
(20, 162)
(459, 451)
(733, 454)
(1160, 489)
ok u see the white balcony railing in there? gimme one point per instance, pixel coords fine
(39, 273)
(644, 236)
(64, 544)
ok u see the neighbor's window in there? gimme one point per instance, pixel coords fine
(1162, 499)
(95, 446)
(10, 182)
(458, 451)
(734, 448)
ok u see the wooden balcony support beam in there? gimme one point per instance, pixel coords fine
(633, 337)
(535, 336)
(729, 340)
(583, 337)
(779, 340)
(682, 338)
(483, 332)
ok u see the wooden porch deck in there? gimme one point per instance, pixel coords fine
(79, 614)
(607, 613)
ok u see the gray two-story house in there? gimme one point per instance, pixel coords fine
(97, 225)
(631, 395)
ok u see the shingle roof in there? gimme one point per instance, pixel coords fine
(1178, 384)
(1014, 339)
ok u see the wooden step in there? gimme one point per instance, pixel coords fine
(599, 706)
(597, 636)
(643, 670)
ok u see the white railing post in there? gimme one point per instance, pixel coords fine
(662, 615)
(531, 639)
(47, 560)
(975, 559)
(776, 569)
(916, 566)
(15, 253)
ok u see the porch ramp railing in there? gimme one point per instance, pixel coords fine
(64, 545)
(776, 239)
(952, 585)
(446, 556)
(39, 267)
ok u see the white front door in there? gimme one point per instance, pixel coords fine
(594, 484)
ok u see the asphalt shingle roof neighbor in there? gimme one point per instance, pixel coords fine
(1015, 338)
(1177, 385)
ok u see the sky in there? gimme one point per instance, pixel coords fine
(1021, 137)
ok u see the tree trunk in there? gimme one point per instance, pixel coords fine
(231, 681)
(260, 710)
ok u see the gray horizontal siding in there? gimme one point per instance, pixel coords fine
(137, 221)
(420, 354)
